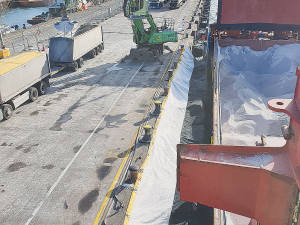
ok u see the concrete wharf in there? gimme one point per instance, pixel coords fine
(62, 153)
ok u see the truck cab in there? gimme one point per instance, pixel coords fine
(175, 4)
(156, 3)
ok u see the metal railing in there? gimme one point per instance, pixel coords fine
(37, 36)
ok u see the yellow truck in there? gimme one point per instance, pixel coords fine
(22, 77)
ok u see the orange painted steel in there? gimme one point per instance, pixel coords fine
(257, 182)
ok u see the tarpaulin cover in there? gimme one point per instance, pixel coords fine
(258, 14)
(248, 80)
(154, 200)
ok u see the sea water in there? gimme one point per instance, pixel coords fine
(19, 16)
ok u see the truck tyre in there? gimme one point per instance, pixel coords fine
(80, 62)
(42, 88)
(93, 53)
(33, 94)
(75, 66)
(98, 50)
(7, 111)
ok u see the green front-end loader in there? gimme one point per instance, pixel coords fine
(148, 37)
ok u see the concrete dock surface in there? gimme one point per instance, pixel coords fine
(60, 153)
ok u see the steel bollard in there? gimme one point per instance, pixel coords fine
(133, 172)
(175, 64)
(181, 49)
(166, 91)
(147, 136)
(170, 74)
(157, 109)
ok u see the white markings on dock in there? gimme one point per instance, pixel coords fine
(76, 155)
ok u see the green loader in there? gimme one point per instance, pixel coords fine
(148, 37)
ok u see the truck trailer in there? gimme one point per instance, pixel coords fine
(22, 77)
(69, 51)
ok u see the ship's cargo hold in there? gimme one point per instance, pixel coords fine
(257, 182)
(69, 51)
(248, 74)
(22, 78)
(252, 184)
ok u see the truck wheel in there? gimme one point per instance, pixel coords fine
(7, 111)
(80, 62)
(33, 94)
(75, 66)
(98, 50)
(42, 88)
(93, 53)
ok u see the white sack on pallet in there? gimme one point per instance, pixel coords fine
(154, 200)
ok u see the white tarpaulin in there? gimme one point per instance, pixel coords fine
(248, 80)
(154, 200)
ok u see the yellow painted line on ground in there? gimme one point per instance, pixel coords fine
(114, 182)
(52, 73)
(140, 173)
(7, 39)
(133, 194)
(137, 183)
(117, 175)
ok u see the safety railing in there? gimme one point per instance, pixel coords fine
(37, 37)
